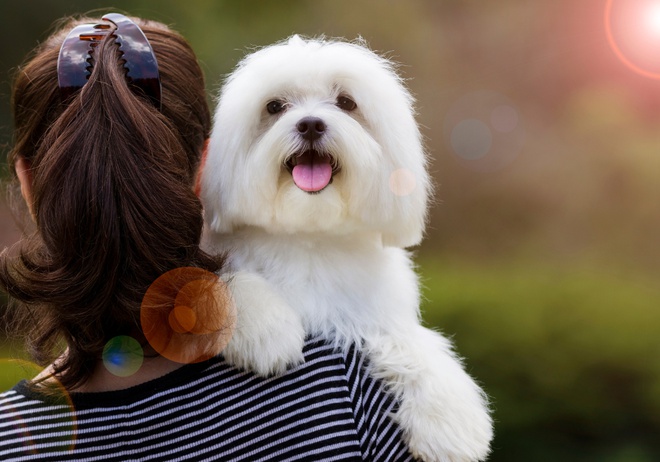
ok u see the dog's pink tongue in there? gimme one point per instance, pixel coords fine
(313, 173)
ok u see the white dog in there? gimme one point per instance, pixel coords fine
(315, 181)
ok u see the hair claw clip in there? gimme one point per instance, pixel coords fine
(75, 60)
(139, 57)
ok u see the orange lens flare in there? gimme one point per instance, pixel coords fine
(633, 33)
(188, 315)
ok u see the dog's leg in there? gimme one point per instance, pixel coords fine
(269, 334)
(442, 411)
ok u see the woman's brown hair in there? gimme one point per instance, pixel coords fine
(112, 196)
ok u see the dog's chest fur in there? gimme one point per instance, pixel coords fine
(342, 286)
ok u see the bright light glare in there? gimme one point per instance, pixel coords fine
(652, 19)
(633, 33)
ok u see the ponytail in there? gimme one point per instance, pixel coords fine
(112, 197)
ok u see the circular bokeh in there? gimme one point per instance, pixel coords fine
(188, 315)
(484, 131)
(123, 356)
(402, 182)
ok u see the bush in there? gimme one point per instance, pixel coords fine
(569, 356)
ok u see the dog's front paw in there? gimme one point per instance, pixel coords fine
(269, 334)
(443, 413)
(438, 430)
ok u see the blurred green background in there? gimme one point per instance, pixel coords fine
(541, 258)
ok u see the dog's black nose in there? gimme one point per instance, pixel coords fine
(311, 128)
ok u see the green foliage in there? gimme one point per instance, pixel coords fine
(13, 369)
(567, 354)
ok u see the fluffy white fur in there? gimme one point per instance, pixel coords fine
(333, 262)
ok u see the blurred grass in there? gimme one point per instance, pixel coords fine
(13, 370)
(568, 355)
(14, 364)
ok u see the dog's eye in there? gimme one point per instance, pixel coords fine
(346, 103)
(275, 106)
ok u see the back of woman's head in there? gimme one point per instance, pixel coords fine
(111, 194)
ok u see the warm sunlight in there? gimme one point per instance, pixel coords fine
(652, 20)
(633, 32)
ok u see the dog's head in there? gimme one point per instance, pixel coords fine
(316, 136)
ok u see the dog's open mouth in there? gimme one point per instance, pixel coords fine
(312, 170)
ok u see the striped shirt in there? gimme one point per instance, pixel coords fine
(328, 408)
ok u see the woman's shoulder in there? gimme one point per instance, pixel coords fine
(321, 362)
(327, 404)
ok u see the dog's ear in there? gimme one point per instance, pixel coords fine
(409, 193)
(202, 163)
(399, 196)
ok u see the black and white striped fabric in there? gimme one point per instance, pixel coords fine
(326, 409)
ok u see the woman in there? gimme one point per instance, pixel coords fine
(110, 123)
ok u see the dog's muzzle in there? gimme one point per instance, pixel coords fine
(312, 169)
